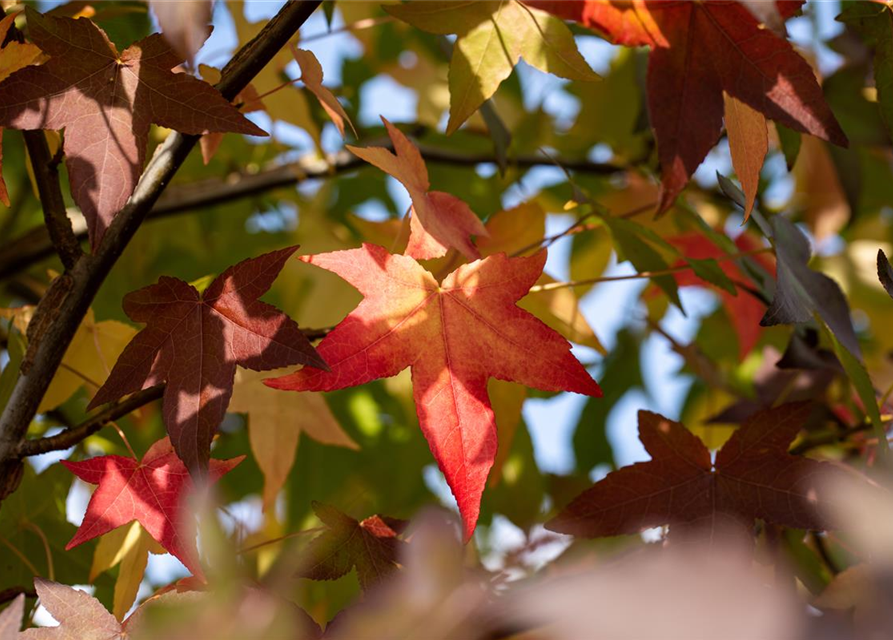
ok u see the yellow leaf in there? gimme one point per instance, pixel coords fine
(818, 192)
(276, 420)
(286, 104)
(311, 76)
(89, 359)
(507, 399)
(560, 309)
(130, 547)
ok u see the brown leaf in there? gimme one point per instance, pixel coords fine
(106, 135)
(752, 477)
(748, 144)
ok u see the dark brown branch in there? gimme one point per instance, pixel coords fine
(90, 272)
(46, 175)
(10, 594)
(35, 245)
(112, 412)
(76, 434)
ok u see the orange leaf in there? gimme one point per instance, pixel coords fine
(454, 336)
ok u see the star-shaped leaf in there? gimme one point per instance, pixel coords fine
(83, 617)
(80, 615)
(753, 476)
(105, 101)
(88, 360)
(492, 37)
(152, 491)
(311, 76)
(275, 424)
(128, 547)
(454, 336)
(440, 221)
(372, 546)
(193, 342)
(11, 618)
(698, 51)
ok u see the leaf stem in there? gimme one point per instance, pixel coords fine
(35, 245)
(644, 274)
(359, 25)
(578, 226)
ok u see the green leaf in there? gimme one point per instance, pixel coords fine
(801, 292)
(627, 234)
(875, 22)
(493, 36)
(709, 270)
(790, 144)
(621, 372)
(864, 388)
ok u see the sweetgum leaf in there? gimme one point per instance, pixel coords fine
(11, 618)
(753, 476)
(453, 335)
(276, 422)
(311, 76)
(698, 51)
(193, 342)
(372, 546)
(492, 38)
(748, 144)
(80, 615)
(151, 491)
(440, 221)
(106, 101)
(802, 292)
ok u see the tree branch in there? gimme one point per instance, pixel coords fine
(88, 274)
(76, 434)
(73, 435)
(35, 245)
(46, 175)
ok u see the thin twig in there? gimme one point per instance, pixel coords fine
(551, 286)
(359, 25)
(578, 226)
(35, 245)
(76, 434)
(89, 272)
(46, 176)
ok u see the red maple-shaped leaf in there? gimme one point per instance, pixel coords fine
(193, 342)
(372, 546)
(454, 335)
(151, 491)
(699, 50)
(752, 477)
(744, 310)
(105, 102)
(440, 221)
